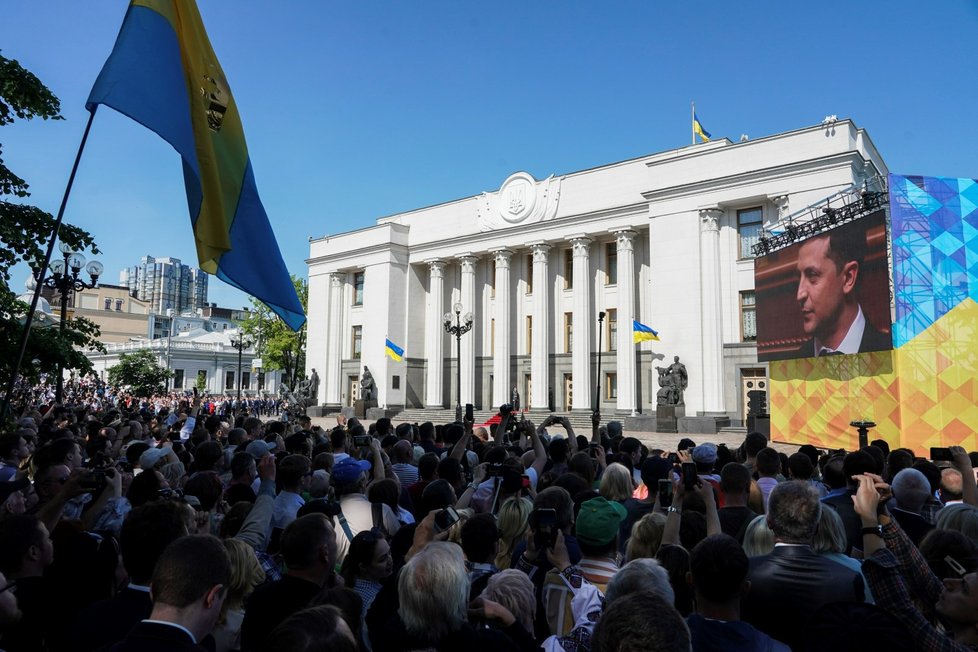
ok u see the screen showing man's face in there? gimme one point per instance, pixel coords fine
(822, 290)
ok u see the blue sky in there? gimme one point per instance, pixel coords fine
(356, 110)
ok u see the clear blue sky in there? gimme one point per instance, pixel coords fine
(356, 110)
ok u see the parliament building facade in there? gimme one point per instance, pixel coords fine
(663, 239)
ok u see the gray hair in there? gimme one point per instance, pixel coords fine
(960, 517)
(433, 589)
(793, 511)
(911, 489)
(758, 538)
(640, 575)
(831, 533)
(514, 590)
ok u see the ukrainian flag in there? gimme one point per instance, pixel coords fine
(394, 351)
(699, 130)
(164, 74)
(642, 333)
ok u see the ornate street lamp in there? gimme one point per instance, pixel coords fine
(458, 329)
(65, 279)
(241, 343)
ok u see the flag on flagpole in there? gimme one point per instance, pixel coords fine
(395, 352)
(642, 333)
(699, 130)
(163, 74)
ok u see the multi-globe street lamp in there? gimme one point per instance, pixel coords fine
(65, 279)
(240, 342)
(462, 325)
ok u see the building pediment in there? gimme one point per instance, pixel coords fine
(520, 201)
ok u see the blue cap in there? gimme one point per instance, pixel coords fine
(348, 470)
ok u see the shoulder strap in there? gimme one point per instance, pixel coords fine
(377, 511)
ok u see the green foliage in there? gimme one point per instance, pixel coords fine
(24, 234)
(277, 345)
(201, 383)
(141, 372)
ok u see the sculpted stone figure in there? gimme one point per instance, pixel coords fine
(368, 388)
(673, 381)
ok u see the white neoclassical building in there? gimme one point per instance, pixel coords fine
(662, 239)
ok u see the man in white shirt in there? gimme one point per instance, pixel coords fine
(350, 480)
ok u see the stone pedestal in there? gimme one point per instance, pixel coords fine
(704, 423)
(361, 406)
(667, 417)
(642, 423)
(761, 424)
(322, 410)
(348, 412)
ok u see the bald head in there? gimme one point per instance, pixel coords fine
(403, 451)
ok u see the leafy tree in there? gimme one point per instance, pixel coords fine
(141, 372)
(201, 383)
(24, 234)
(276, 344)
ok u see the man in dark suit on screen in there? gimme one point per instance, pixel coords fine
(828, 296)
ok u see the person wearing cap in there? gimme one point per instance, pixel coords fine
(596, 531)
(154, 457)
(350, 478)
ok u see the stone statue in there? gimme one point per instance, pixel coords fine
(514, 399)
(673, 381)
(368, 388)
(298, 399)
(314, 383)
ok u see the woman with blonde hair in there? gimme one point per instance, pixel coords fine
(512, 521)
(646, 537)
(758, 538)
(616, 483)
(246, 574)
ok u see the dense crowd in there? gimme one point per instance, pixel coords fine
(159, 524)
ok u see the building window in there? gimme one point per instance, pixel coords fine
(357, 341)
(749, 222)
(245, 380)
(108, 304)
(612, 330)
(229, 380)
(568, 332)
(610, 387)
(118, 305)
(395, 382)
(529, 335)
(358, 289)
(178, 379)
(492, 280)
(529, 274)
(569, 269)
(611, 267)
(748, 319)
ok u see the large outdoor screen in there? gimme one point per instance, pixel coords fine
(826, 295)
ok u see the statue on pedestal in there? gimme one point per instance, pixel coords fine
(673, 381)
(368, 388)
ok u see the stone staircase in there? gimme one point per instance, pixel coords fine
(580, 421)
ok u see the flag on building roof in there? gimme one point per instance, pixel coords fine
(394, 351)
(164, 74)
(642, 333)
(699, 130)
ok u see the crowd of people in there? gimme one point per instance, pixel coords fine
(157, 524)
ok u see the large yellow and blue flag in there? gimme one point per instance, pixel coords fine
(642, 333)
(699, 130)
(394, 351)
(164, 74)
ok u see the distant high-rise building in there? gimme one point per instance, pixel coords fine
(166, 283)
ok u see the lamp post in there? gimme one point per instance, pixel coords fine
(241, 343)
(596, 404)
(458, 329)
(65, 279)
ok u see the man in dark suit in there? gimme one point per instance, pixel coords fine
(790, 584)
(188, 589)
(828, 296)
(146, 533)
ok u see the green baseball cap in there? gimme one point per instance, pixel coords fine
(599, 520)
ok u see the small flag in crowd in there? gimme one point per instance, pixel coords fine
(164, 74)
(395, 352)
(642, 333)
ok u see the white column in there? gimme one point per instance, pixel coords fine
(540, 354)
(434, 338)
(712, 345)
(332, 372)
(581, 357)
(626, 312)
(467, 294)
(501, 380)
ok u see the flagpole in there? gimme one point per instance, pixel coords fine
(692, 120)
(42, 271)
